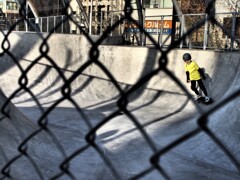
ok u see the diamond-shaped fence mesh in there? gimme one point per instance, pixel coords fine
(78, 152)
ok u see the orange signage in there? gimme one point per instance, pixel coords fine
(167, 24)
(153, 24)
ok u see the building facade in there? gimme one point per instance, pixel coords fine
(106, 12)
(10, 8)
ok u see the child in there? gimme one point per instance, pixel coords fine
(195, 75)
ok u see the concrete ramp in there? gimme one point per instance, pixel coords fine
(162, 134)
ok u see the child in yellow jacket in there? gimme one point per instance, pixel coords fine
(195, 75)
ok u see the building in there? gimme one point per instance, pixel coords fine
(11, 9)
(106, 12)
(1, 4)
(94, 16)
(9, 12)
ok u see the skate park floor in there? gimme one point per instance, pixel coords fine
(158, 135)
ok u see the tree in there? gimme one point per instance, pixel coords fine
(186, 7)
(234, 5)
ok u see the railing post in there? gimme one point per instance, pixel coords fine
(144, 19)
(119, 26)
(62, 25)
(54, 22)
(161, 31)
(101, 23)
(158, 33)
(90, 20)
(47, 24)
(233, 30)
(111, 22)
(41, 29)
(205, 33)
(182, 31)
(26, 21)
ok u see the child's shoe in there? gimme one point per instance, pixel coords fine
(207, 98)
(197, 97)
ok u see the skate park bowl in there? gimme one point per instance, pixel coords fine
(71, 110)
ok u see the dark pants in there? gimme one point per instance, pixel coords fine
(200, 84)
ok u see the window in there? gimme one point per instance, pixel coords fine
(12, 6)
(153, 3)
(159, 4)
(167, 4)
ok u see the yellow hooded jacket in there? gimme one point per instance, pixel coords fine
(193, 68)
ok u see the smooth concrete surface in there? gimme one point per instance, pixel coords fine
(161, 107)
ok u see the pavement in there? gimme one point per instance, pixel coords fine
(163, 134)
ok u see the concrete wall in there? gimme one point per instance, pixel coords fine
(126, 64)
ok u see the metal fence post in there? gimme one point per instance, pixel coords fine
(62, 25)
(101, 23)
(144, 19)
(233, 29)
(26, 21)
(205, 42)
(119, 26)
(90, 20)
(40, 24)
(161, 32)
(54, 23)
(182, 31)
(111, 22)
(158, 33)
(47, 24)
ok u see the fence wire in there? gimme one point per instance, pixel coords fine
(65, 172)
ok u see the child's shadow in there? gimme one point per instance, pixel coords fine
(207, 82)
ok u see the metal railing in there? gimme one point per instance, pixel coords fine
(100, 22)
(210, 35)
(207, 36)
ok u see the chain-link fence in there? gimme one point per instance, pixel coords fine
(62, 159)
